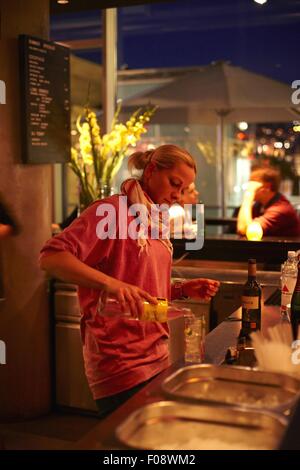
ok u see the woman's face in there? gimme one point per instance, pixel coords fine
(190, 195)
(165, 186)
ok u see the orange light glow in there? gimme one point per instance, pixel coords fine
(254, 232)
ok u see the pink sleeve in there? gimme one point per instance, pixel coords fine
(80, 239)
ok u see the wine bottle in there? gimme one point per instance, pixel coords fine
(295, 307)
(251, 302)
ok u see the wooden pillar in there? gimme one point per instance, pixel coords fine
(24, 316)
(109, 66)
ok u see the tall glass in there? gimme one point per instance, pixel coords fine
(194, 334)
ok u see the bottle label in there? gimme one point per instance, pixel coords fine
(286, 299)
(250, 302)
(151, 312)
(288, 284)
(158, 312)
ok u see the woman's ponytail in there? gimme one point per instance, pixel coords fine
(139, 160)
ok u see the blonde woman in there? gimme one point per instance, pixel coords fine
(103, 251)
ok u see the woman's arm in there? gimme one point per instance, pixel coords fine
(67, 267)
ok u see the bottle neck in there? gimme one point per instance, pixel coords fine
(251, 272)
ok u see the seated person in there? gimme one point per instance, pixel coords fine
(181, 219)
(263, 203)
(8, 227)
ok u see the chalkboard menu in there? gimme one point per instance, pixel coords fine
(45, 99)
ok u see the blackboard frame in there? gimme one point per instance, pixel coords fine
(45, 101)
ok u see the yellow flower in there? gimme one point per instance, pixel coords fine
(99, 158)
(87, 159)
(85, 127)
(97, 140)
(91, 115)
(95, 131)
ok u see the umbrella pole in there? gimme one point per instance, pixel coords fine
(221, 169)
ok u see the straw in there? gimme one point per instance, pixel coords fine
(273, 351)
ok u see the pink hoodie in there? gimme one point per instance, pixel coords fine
(118, 353)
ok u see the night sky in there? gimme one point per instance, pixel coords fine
(264, 39)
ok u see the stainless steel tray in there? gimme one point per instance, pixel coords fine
(237, 386)
(177, 425)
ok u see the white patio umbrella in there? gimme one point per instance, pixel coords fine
(220, 93)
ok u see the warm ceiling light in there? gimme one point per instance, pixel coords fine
(63, 2)
(243, 126)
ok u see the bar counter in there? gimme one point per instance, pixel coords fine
(270, 251)
(217, 342)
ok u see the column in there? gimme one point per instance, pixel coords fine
(24, 315)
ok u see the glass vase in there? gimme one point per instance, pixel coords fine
(84, 202)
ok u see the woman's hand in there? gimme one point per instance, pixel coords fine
(200, 288)
(130, 297)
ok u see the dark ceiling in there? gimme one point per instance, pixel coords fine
(80, 5)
